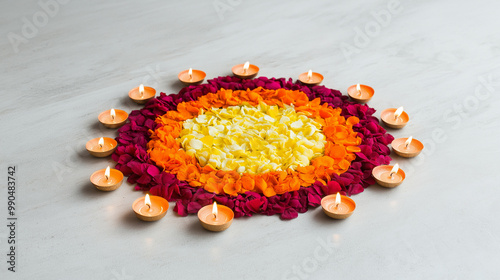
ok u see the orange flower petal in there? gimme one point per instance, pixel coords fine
(247, 183)
(354, 149)
(337, 152)
(352, 120)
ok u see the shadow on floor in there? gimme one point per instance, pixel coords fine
(321, 218)
(90, 190)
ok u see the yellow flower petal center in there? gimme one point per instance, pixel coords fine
(252, 139)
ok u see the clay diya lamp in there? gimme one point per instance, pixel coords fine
(107, 179)
(113, 118)
(407, 147)
(192, 77)
(388, 176)
(142, 94)
(311, 78)
(394, 118)
(360, 93)
(245, 71)
(101, 147)
(150, 208)
(215, 217)
(338, 206)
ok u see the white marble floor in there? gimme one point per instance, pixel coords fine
(64, 62)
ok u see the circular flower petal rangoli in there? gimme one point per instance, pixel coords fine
(267, 146)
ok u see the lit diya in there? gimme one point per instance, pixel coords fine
(107, 179)
(113, 118)
(388, 176)
(394, 118)
(215, 217)
(360, 93)
(192, 77)
(245, 71)
(407, 147)
(101, 147)
(150, 208)
(142, 94)
(338, 206)
(311, 78)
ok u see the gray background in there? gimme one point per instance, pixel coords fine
(71, 61)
